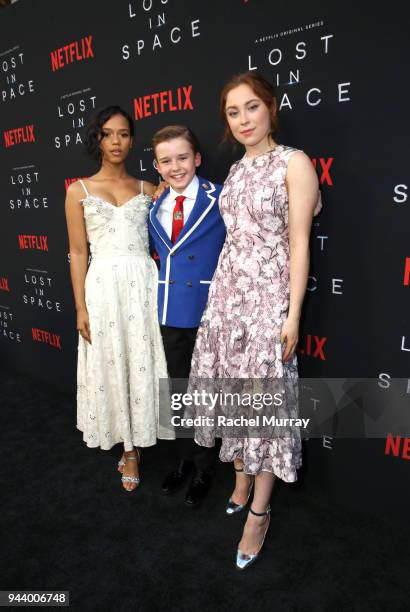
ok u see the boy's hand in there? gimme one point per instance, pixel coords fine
(159, 190)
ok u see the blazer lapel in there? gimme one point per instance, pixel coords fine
(201, 203)
(196, 212)
(154, 219)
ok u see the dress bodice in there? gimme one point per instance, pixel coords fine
(254, 206)
(117, 230)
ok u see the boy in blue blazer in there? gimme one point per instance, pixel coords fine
(187, 234)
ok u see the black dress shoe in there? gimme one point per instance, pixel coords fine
(198, 488)
(176, 479)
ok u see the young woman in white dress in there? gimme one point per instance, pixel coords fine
(120, 354)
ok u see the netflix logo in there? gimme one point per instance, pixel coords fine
(19, 135)
(41, 335)
(27, 241)
(163, 101)
(4, 284)
(313, 346)
(76, 51)
(397, 446)
(406, 280)
(322, 166)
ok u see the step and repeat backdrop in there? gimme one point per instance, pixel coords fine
(343, 95)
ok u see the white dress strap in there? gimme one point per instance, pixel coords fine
(142, 187)
(84, 187)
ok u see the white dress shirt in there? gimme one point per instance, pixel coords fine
(166, 208)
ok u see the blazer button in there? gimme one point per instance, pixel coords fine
(172, 254)
(171, 282)
(189, 284)
(191, 256)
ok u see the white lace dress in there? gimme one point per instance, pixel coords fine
(121, 376)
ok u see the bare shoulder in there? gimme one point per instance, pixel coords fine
(298, 161)
(75, 193)
(75, 189)
(300, 168)
(73, 203)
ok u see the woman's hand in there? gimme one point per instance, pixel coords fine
(289, 337)
(159, 190)
(319, 205)
(83, 324)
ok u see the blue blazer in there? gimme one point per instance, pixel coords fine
(187, 267)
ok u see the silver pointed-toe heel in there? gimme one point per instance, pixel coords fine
(242, 560)
(231, 506)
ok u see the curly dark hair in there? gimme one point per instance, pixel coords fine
(94, 131)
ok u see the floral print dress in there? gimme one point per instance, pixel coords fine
(239, 335)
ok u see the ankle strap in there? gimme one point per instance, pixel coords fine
(132, 457)
(260, 513)
(238, 469)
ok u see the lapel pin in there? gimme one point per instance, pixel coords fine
(205, 186)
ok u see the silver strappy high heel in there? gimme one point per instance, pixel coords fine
(133, 479)
(243, 560)
(231, 506)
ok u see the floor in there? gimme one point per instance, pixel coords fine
(67, 524)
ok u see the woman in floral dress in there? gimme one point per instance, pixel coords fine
(250, 327)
